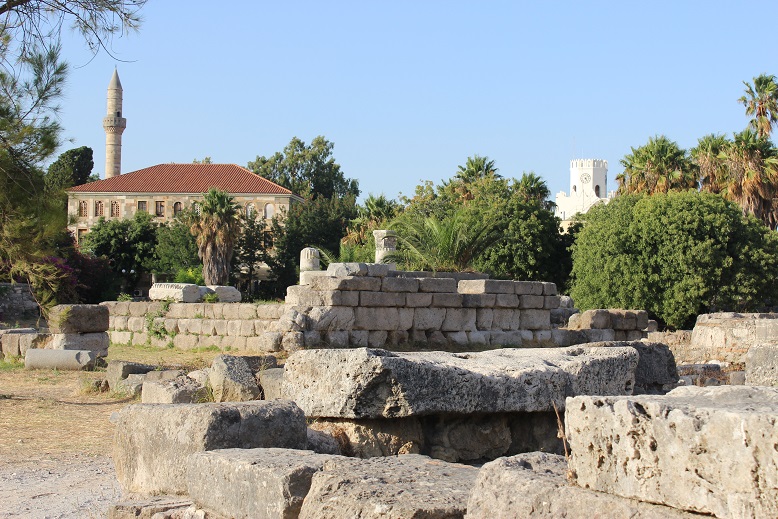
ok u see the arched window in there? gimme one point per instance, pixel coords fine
(82, 208)
(176, 208)
(114, 209)
(270, 210)
(99, 208)
(250, 210)
(597, 190)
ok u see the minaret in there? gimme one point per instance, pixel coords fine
(114, 125)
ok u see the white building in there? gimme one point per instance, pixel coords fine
(588, 186)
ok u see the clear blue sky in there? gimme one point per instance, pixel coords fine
(408, 89)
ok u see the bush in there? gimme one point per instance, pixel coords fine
(675, 255)
(190, 275)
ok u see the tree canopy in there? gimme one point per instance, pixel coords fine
(72, 168)
(216, 229)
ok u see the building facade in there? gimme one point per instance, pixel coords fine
(588, 186)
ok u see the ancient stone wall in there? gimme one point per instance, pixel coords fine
(727, 337)
(16, 302)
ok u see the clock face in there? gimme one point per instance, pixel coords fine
(585, 178)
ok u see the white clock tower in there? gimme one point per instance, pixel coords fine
(588, 186)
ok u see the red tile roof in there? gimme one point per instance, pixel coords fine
(185, 178)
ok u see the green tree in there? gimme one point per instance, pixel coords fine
(309, 171)
(250, 253)
(708, 160)
(72, 168)
(376, 212)
(660, 166)
(675, 255)
(761, 102)
(476, 167)
(216, 230)
(176, 248)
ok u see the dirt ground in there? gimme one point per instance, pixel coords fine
(56, 437)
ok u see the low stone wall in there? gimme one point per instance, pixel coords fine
(228, 326)
(16, 302)
(727, 337)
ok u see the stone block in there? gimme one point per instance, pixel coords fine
(437, 339)
(118, 370)
(358, 338)
(535, 485)
(136, 324)
(269, 311)
(186, 342)
(418, 300)
(178, 292)
(304, 296)
(132, 386)
(551, 302)
(252, 483)
(152, 442)
(542, 337)
(365, 383)
(397, 337)
(313, 339)
(246, 328)
(478, 300)
(60, 359)
(120, 337)
(428, 318)
(528, 288)
(226, 294)
(331, 318)
(307, 276)
(118, 322)
(437, 285)
(737, 378)
(506, 319)
(531, 301)
(373, 438)
(441, 300)
(270, 381)
(411, 486)
(118, 307)
(347, 269)
(595, 319)
(485, 286)
(459, 319)
(509, 338)
(641, 319)
(484, 318)
(506, 301)
(549, 289)
(336, 339)
(479, 338)
(78, 319)
(265, 341)
(151, 507)
(458, 339)
(400, 285)
(376, 318)
(705, 450)
(467, 438)
(231, 380)
(230, 312)
(623, 320)
(97, 342)
(599, 335)
(246, 311)
(180, 390)
(346, 283)
(292, 341)
(139, 308)
(536, 319)
(380, 298)
(762, 365)
(379, 270)
(377, 338)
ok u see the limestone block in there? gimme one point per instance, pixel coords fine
(532, 432)
(535, 485)
(641, 318)
(599, 335)
(380, 298)
(186, 342)
(651, 326)
(247, 311)
(428, 318)
(261, 325)
(347, 269)
(623, 320)
(196, 310)
(379, 270)
(307, 276)
(507, 301)
(536, 319)
(323, 443)
(291, 320)
(78, 319)
(164, 374)
(59, 359)
(117, 307)
(139, 308)
(175, 310)
(153, 442)
(132, 386)
(531, 301)
(502, 338)
(246, 328)
(467, 438)
(346, 283)
(252, 483)
(762, 365)
(541, 337)
(231, 380)
(418, 300)
(304, 296)
(230, 312)
(151, 507)
(180, 390)
(484, 318)
(441, 300)
(312, 339)
(336, 339)
(292, 341)
(595, 319)
(265, 341)
(737, 378)
(136, 324)
(485, 286)
(437, 285)
(199, 375)
(179, 292)
(528, 288)
(707, 450)
(551, 302)
(358, 338)
(376, 318)
(97, 342)
(326, 318)
(400, 285)
(377, 338)
(371, 438)
(635, 335)
(458, 339)
(549, 289)
(506, 319)
(459, 319)
(269, 311)
(397, 337)
(120, 337)
(120, 369)
(226, 294)
(170, 325)
(118, 322)
(478, 338)
(436, 339)
(365, 383)
(564, 337)
(479, 300)
(270, 380)
(406, 316)
(417, 337)
(411, 486)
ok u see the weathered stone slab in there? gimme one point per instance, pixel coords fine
(656, 372)
(370, 438)
(707, 450)
(152, 442)
(534, 288)
(120, 369)
(232, 380)
(226, 294)
(762, 365)
(59, 359)
(727, 337)
(347, 269)
(535, 485)
(304, 296)
(365, 383)
(180, 390)
(325, 283)
(78, 319)
(178, 292)
(252, 483)
(149, 508)
(270, 383)
(97, 342)
(437, 285)
(389, 488)
(486, 286)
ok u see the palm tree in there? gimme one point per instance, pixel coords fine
(707, 157)
(476, 167)
(761, 102)
(532, 188)
(216, 229)
(659, 166)
(375, 211)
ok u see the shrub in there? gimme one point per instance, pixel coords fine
(675, 255)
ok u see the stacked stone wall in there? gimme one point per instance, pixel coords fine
(17, 302)
(727, 337)
(227, 326)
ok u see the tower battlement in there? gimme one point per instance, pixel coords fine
(588, 163)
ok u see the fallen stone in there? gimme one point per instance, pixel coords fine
(468, 438)
(59, 359)
(535, 485)
(736, 378)
(148, 508)
(252, 483)
(78, 319)
(368, 383)
(180, 390)
(200, 376)
(232, 380)
(152, 442)
(178, 292)
(270, 381)
(389, 488)
(705, 450)
(762, 365)
(323, 443)
(656, 372)
(373, 438)
(225, 294)
(164, 374)
(118, 370)
(347, 269)
(131, 386)
(97, 342)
